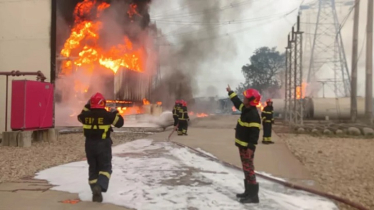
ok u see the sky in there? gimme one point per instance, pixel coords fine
(246, 25)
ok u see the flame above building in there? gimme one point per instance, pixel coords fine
(85, 46)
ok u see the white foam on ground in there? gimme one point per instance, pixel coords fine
(150, 175)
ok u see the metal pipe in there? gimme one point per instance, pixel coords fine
(286, 184)
(354, 62)
(369, 64)
(6, 103)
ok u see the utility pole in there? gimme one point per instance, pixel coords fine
(369, 64)
(354, 62)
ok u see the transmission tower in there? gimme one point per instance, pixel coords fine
(328, 59)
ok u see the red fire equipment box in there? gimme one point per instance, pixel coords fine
(32, 105)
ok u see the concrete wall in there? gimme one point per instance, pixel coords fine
(24, 43)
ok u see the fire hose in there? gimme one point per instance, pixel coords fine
(174, 129)
(284, 183)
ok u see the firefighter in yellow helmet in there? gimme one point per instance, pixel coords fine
(267, 122)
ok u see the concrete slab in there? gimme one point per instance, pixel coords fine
(35, 194)
(212, 135)
(275, 159)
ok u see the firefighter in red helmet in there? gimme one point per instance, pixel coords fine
(183, 119)
(267, 121)
(97, 127)
(246, 138)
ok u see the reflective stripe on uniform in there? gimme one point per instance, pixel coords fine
(241, 143)
(92, 181)
(267, 138)
(265, 112)
(241, 107)
(85, 109)
(105, 174)
(232, 95)
(100, 127)
(116, 119)
(249, 125)
(267, 121)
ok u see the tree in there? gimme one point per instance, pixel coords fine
(263, 71)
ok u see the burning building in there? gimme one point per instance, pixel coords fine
(108, 48)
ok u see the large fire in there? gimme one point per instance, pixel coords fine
(88, 50)
(83, 47)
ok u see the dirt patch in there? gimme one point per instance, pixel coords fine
(342, 166)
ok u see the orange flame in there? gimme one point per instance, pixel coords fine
(145, 102)
(198, 114)
(260, 106)
(83, 44)
(300, 90)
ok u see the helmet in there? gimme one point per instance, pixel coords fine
(177, 102)
(97, 101)
(253, 95)
(269, 101)
(184, 103)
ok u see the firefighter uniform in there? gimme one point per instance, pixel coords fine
(267, 122)
(246, 138)
(97, 128)
(183, 119)
(175, 113)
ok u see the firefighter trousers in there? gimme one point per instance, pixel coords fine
(175, 120)
(247, 157)
(267, 127)
(99, 158)
(182, 127)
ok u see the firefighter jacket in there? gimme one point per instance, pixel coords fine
(182, 113)
(249, 123)
(176, 110)
(97, 123)
(267, 114)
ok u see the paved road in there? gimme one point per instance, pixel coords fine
(215, 135)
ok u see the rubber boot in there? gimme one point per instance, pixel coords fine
(96, 194)
(252, 195)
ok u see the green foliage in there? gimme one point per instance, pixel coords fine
(263, 72)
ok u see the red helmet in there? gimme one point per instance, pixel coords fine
(253, 95)
(97, 101)
(269, 101)
(184, 103)
(177, 102)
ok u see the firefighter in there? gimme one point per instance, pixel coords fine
(97, 123)
(175, 113)
(183, 119)
(246, 137)
(267, 121)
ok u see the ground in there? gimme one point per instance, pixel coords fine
(214, 135)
